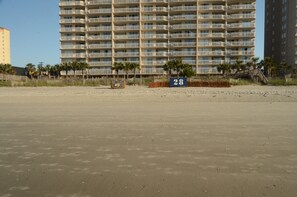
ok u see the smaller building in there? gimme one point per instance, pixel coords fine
(4, 46)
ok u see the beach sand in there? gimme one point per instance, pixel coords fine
(138, 142)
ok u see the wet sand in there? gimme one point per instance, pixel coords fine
(94, 141)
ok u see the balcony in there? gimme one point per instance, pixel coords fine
(211, 44)
(126, 2)
(99, 46)
(128, 45)
(241, 34)
(72, 12)
(99, 2)
(98, 64)
(211, 53)
(155, 45)
(136, 27)
(102, 28)
(184, 17)
(184, 8)
(72, 38)
(153, 54)
(243, 7)
(211, 7)
(155, 9)
(159, 36)
(241, 53)
(124, 10)
(184, 26)
(74, 55)
(241, 25)
(183, 44)
(72, 21)
(97, 55)
(72, 3)
(127, 54)
(99, 11)
(100, 37)
(183, 53)
(73, 46)
(210, 62)
(155, 27)
(183, 35)
(212, 16)
(154, 18)
(212, 35)
(98, 20)
(241, 16)
(125, 19)
(240, 44)
(211, 26)
(126, 37)
(154, 1)
(72, 29)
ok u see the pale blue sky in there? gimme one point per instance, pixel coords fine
(34, 26)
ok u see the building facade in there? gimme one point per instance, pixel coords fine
(280, 31)
(203, 33)
(4, 46)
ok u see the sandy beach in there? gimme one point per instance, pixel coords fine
(140, 142)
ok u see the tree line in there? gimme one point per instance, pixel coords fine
(38, 71)
(268, 66)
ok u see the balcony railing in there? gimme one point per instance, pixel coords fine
(99, 11)
(66, 38)
(136, 27)
(99, 2)
(70, 55)
(73, 47)
(98, 46)
(93, 55)
(97, 20)
(100, 37)
(72, 3)
(72, 21)
(72, 12)
(126, 36)
(72, 29)
(102, 28)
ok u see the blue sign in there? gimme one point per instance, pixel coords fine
(178, 82)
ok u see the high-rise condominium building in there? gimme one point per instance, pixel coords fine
(203, 33)
(280, 31)
(4, 46)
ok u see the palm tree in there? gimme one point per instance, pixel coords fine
(126, 68)
(117, 66)
(66, 66)
(187, 71)
(55, 70)
(47, 69)
(133, 67)
(83, 66)
(224, 68)
(75, 66)
(40, 70)
(6, 69)
(238, 66)
(169, 67)
(31, 70)
(269, 65)
(254, 62)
